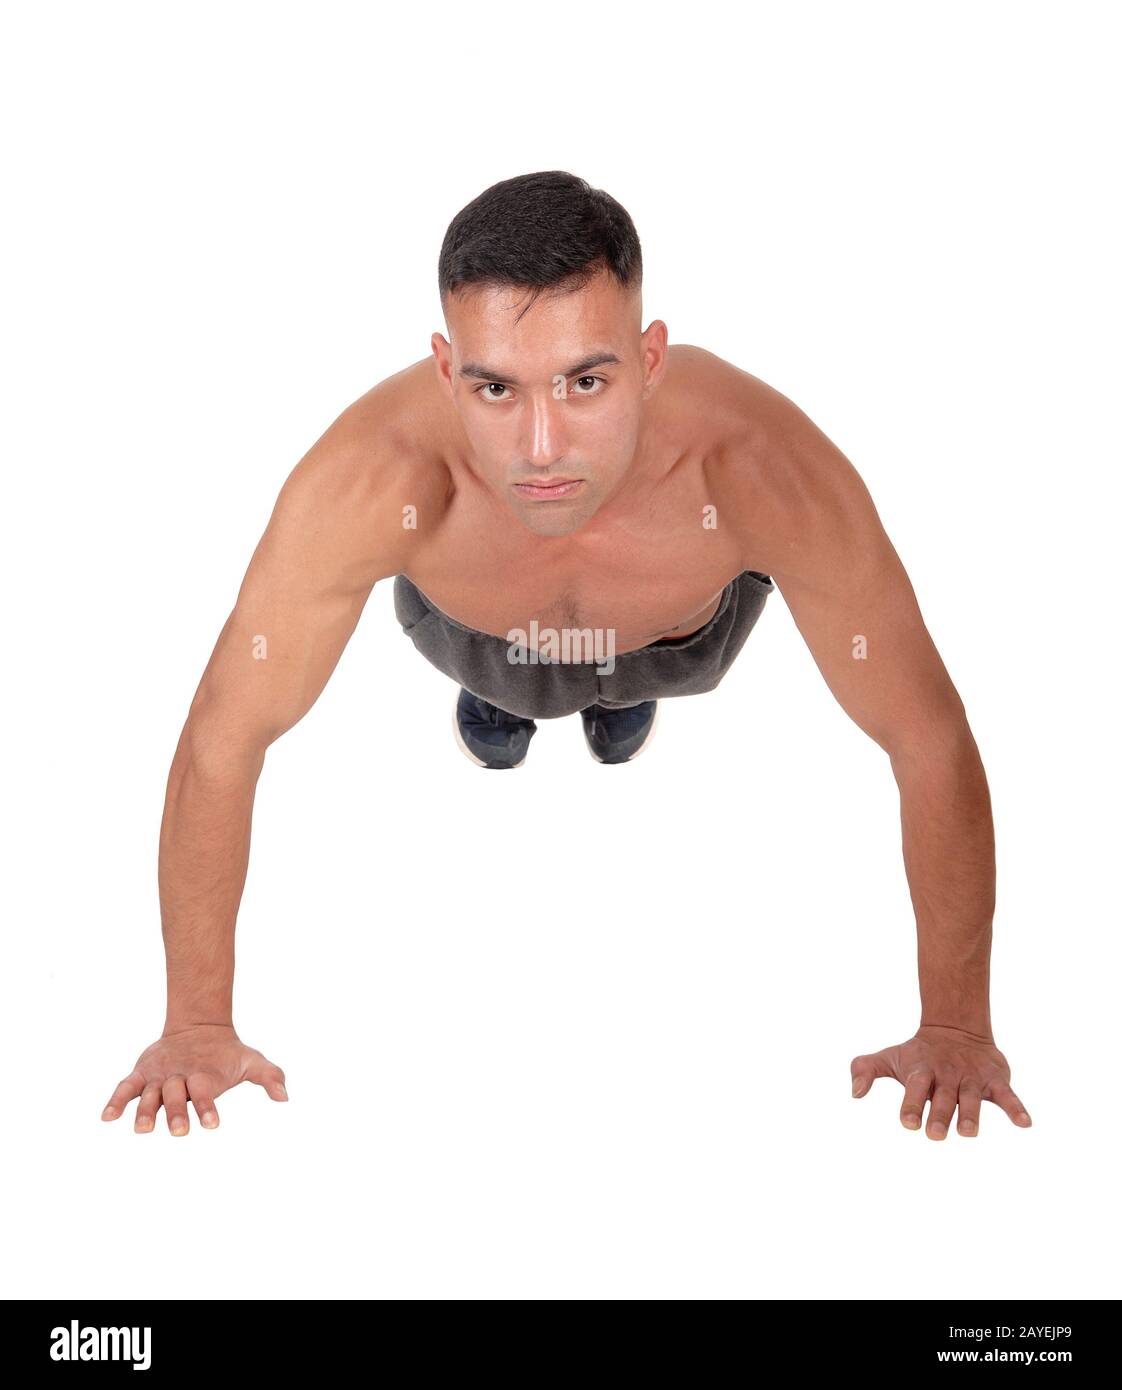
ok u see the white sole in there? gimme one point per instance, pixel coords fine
(642, 750)
(465, 750)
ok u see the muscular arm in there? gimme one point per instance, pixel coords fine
(810, 522)
(869, 640)
(335, 530)
(332, 534)
(855, 607)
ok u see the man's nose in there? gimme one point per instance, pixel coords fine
(546, 439)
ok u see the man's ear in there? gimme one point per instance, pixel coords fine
(653, 355)
(442, 358)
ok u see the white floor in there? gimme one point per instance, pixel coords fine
(575, 1031)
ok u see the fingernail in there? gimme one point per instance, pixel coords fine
(1024, 1118)
(179, 1126)
(911, 1121)
(858, 1086)
(968, 1127)
(108, 1113)
(210, 1119)
(938, 1130)
(283, 1092)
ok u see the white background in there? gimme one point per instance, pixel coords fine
(582, 1032)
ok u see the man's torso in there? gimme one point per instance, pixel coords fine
(652, 566)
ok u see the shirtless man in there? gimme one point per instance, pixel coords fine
(554, 466)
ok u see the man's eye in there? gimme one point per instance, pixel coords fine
(593, 380)
(486, 389)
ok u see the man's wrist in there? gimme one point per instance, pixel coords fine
(183, 1013)
(954, 978)
(980, 1033)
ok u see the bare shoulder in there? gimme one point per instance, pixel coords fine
(800, 512)
(353, 500)
(798, 505)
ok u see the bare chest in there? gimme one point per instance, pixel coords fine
(663, 579)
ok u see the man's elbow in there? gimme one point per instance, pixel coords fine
(934, 746)
(218, 749)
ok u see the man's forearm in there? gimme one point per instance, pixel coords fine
(948, 843)
(204, 856)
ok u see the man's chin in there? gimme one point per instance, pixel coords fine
(550, 520)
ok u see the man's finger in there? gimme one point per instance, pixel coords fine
(1006, 1097)
(943, 1103)
(264, 1073)
(175, 1104)
(151, 1098)
(969, 1107)
(200, 1087)
(864, 1070)
(917, 1087)
(127, 1090)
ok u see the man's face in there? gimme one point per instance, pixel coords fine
(553, 396)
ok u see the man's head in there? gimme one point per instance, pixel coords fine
(548, 365)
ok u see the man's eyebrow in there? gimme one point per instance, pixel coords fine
(483, 373)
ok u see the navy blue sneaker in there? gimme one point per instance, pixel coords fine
(619, 735)
(488, 735)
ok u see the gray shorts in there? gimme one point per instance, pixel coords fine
(479, 661)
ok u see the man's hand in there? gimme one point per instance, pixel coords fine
(950, 1068)
(200, 1061)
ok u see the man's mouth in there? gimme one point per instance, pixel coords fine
(549, 487)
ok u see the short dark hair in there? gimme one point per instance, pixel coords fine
(539, 230)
